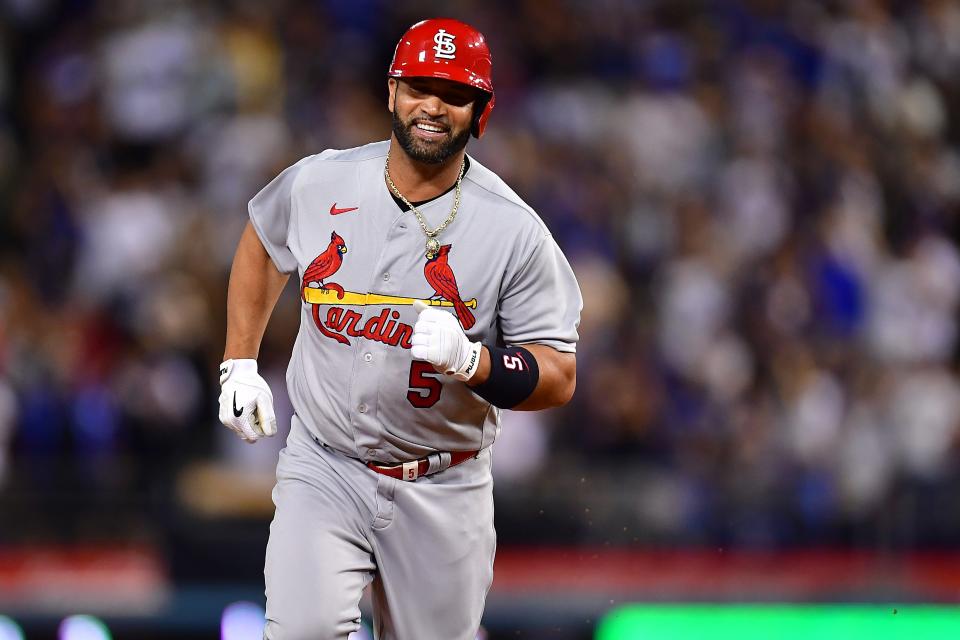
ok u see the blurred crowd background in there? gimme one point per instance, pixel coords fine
(760, 200)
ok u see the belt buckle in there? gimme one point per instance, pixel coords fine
(410, 471)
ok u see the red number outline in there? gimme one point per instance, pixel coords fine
(422, 379)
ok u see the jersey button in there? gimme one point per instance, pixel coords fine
(362, 408)
(368, 357)
(386, 277)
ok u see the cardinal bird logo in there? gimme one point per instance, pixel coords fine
(325, 265)
(438, 273)
(341, 321)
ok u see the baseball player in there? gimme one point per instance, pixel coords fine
(431, 297)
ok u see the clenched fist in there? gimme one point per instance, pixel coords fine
(439, 339)
(246, 402)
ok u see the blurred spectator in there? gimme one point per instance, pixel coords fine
(761, 201)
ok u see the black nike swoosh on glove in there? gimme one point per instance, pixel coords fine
(236, 412)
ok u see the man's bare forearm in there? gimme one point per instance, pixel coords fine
(558, 379)
(255, 286)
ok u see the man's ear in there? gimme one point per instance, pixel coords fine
(392, 85)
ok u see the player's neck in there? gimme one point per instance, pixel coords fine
(419, 181)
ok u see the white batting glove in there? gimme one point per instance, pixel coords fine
(246, 402)
(439, 339)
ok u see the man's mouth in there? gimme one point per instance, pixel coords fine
(430, 130)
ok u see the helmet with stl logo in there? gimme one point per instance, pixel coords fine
(450, 50)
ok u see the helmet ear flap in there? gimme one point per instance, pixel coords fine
(481, 113)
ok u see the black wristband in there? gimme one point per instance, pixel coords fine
(514, 374)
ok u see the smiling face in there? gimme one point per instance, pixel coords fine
(431, 117)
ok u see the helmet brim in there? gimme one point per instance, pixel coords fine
(443, 72)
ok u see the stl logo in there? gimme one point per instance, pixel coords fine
(445, 47)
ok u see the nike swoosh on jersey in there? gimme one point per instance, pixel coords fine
(334, 211)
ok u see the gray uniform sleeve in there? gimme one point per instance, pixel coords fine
(541, 302)
(271, 215)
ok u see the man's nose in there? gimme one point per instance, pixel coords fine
(433, 105)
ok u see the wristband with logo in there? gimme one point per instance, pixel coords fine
(514, 374)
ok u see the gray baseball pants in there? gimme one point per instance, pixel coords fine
(427, 547)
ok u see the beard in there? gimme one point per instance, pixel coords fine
(425, 152)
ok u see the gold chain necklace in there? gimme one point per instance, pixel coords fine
(433, 245)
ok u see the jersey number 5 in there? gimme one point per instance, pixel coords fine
(425, 388)
(513, 362)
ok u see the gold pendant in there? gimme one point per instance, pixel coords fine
(433, 247)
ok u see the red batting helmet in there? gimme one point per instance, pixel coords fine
(451, 50)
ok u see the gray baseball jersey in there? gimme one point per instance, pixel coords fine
(426, 546)
(361, 262)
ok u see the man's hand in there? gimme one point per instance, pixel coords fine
(438, 339)
(246, 402)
